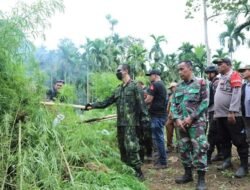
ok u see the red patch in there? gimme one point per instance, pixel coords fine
(235, 80)
(202, 82)
(152, 87)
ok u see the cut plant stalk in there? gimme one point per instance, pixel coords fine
(61, 104)
(113, 116)
(64, 158)
(20, 155)
(9, 149)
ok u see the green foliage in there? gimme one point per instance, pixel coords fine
(136, 59)
(238, 18)
(156, 54)
(236, 65)
(103, 84)
(220, 54)
(68, 94)
(230, 39)
(171, 64)
(199, 60)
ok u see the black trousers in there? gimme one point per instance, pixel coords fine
(212, 137)
(247, 127)
(234, 133)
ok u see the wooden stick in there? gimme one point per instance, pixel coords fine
(113, 116)
(20, 155)
(61, 104)
(65, 159)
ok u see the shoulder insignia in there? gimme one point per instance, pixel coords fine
(235, 80)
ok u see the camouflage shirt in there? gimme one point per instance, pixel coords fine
(131, 108)
(191, 99)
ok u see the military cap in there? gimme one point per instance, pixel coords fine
(242, 69)
(223, 60)
(154, 72)
(172, 84)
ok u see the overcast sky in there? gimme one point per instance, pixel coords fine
(138, 18)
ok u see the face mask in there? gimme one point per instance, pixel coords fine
(119, 75)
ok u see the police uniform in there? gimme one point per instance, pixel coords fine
(228, 99)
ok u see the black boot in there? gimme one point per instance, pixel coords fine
(226, 164)
(219, 156)
(241, 172)
(243, 169)
(209, 154)
(201, 184)
(139, 174)
(187, 177)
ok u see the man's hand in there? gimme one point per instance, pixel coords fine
(187, 121)
(231, 118)
(88, 106)
(179, 123)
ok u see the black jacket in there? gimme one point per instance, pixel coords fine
(243, 94)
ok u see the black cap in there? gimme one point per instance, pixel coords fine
(222, 60)
(211, 69)
(153, 72)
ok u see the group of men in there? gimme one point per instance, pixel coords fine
(228, 118)
(227, 105)
(136, 110)
(142, 115)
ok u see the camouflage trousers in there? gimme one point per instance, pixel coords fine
(193, 148)
(129, 147)
(144, 135)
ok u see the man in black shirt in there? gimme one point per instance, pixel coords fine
(52, 94)
(157, 98)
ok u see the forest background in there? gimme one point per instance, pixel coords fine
(36, 155)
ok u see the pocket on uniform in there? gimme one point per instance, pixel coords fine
(194, 95)
(178, 97)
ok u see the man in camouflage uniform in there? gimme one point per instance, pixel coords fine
(189, 104)
(131, 112)
(144, 133)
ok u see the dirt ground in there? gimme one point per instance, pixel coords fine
(216, 180)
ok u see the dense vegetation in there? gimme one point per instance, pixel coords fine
(34, 153)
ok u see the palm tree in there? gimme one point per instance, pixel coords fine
(236, 65)
(199, 59)
(112, 22)
(156, 52)
(98, 55)
(244, 10)
(69, 59)
(186, 51)
(231, 39)
(137, 58)
(220, 54)
(171, 65)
